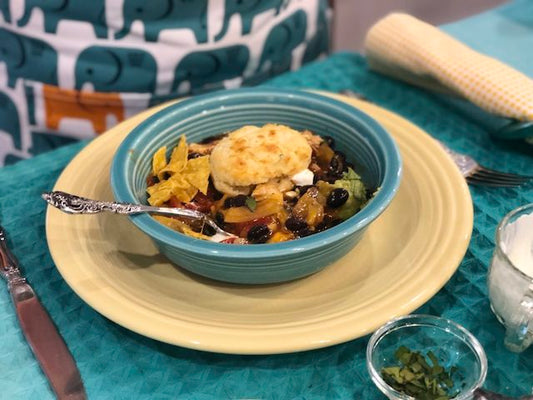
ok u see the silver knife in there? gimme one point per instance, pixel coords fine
(40, 332)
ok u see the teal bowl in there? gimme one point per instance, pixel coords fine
(366, 144)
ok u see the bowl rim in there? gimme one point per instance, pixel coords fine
(431, 320)
(197, 104)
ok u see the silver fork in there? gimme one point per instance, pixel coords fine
(477, 174)
(473, 172)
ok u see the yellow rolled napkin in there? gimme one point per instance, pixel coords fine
(406, 48)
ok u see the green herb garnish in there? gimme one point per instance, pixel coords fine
(251, 203)
(417, 378)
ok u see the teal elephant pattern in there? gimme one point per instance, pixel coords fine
(27, 57)
(4, 9)
(160, 15)
(208, 69)
(54, 11)
(319, 43)
(114, 69)
(247, 9)
(9, 119)
(280, 42)
(71, 69)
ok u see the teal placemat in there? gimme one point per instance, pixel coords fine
(118, 364)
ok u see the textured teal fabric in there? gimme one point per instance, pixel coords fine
(118, 364)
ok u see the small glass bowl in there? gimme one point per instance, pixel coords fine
(452, 344)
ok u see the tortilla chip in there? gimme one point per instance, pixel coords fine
(178, 159)
(181, 188)
(171, 223)
(186, 176)
(188, 231)
(197, 173)
(159, 193)
(176, 185)
(159, 162)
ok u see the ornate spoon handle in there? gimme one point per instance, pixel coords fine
(73, 204)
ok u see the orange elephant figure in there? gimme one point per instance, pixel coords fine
(94, 107)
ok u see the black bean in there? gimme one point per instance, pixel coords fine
(337, 197)
(331, 178)
(295, 224)
(217, 195)
(336, 165)
(304, 189)
(237, 201)
(330, 141)
(327, 223)
(305, 232)
(219, 218)
(193, 155)
(321, 226)
(208, 230)
(317, 177)
(259, 233)
(335, 222)
(340, 154)
(327, 218)
(324, 224)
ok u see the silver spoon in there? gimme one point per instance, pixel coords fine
(72, 204)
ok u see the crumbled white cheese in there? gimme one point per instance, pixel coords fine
(303, 178)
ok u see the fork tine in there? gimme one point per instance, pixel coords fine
(484, 181)
(504, 174)
(495, 179)
(488, 174)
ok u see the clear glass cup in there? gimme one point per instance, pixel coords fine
(452, 344)
(511, 286)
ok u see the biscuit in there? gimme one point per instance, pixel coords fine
(253, 155)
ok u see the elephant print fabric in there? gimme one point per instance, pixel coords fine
(161, 15)
(72, 69)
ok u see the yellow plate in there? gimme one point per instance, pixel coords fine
(405, 257)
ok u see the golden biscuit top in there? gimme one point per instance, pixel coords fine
(253, 155)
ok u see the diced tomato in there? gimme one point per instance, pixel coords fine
(200, 203)
(203, 203)
(174, 202)
(151, 180)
